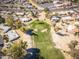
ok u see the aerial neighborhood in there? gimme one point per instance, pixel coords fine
(39, 29)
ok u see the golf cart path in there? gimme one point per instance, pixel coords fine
(25, 37)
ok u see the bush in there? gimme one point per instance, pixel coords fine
(2, 20)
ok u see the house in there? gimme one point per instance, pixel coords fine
(67, 18)
(5, 28)
(72, 29)
(77, 18)
(19, 13)
(12, 35)
(55, 18)
(25, 19)
(6, 57)
(55, 1)
(62, 12)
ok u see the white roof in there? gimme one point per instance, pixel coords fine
(64, 12)
(4, 28)
(20, 13)
(67, 18)
(76, 23)
(24, 19)
(70, 28)
(71, 11)
(55, 1)
(54, 17)
(6, 57)
(57, 5)
(12, 35)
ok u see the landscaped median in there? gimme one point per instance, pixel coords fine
(43, 41)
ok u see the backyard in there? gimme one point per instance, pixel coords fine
(43, 41)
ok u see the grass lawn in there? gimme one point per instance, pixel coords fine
(43, 42)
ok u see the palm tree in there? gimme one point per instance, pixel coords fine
(18, 24)
(5, 38)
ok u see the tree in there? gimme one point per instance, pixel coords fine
(2, 20)
(77, 34)
(73, 44)
(73, 51)
(23, 29)
(32, 13)
(10, 21)
(46, 9)
(47, 14)
(49, 1)
(18, 24)
(5, 38)
(76, 1)
(16, 51)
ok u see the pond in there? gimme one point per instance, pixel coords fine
(29, 32)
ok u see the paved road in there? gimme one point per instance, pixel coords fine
(15, 9)
(36, 5)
